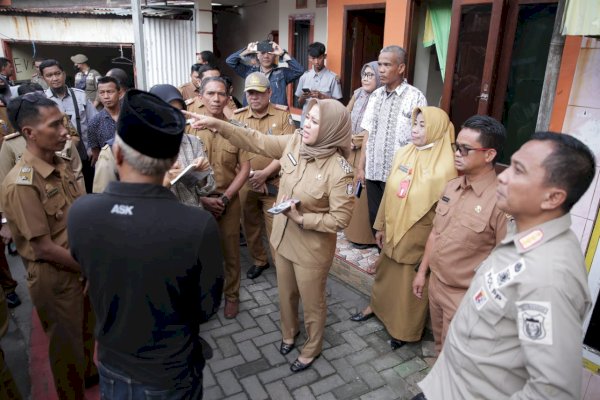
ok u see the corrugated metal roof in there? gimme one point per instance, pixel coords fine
(96, 11)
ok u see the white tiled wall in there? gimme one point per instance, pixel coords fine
(582, 120)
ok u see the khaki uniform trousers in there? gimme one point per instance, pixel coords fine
(68, 321)
(294, 282)
(6, 279)
(229, 227)
(443, 303)
(8, 387)
(254, 215)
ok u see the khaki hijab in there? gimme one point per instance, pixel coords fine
(335, 130)
(432, 166)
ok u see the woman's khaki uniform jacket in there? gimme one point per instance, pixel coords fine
(323, 186)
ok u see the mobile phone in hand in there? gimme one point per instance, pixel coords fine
(306, 90)
(358, 190)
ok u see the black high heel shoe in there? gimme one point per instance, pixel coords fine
(298, 366)
(359, 316)
(396, 344)
(285, 348)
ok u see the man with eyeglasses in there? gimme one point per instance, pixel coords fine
(518, 331)
(468, 223)
(36, 197)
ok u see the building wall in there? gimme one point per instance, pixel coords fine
(582, 120)
(394, 33)
(234, 31)
(287, 8)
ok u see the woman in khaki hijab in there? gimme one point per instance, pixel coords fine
(419, 174)
(314, 170)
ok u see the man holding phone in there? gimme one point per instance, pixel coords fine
(319, 82)
(269, 55)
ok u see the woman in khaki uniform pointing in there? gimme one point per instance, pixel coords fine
(314, 171)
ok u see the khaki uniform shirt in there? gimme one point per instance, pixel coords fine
(277, 121)
(323, 186)
(518, 331)
(188, 91)
(196, 105)
(14, 146)
(222, 156)
(36, 197)
(105, 170)
(467, 226)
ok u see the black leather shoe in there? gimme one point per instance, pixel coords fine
(207, 351)
(359, 317)
(420, 396)
(285, 348)
(298, 366)
(395, 343)
(13, 300)
(255, 271)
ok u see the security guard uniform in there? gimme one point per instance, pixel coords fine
(36, 197)
(517, 333)
(467, 227)
(276, 121)
(304, 254)
(223, 158)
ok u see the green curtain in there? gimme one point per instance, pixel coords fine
(437, 29)
(582, 17)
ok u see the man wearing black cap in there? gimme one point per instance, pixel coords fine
(163, 274)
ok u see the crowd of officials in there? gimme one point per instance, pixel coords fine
(133, 269)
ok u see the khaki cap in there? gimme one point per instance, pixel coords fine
(257, 81)
(79, 58)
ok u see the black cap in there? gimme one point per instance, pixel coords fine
(149, 125)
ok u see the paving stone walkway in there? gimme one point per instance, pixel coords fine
(356, 362)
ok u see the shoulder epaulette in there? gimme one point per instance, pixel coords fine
(281, 107)
(346, 167)
(239, 110)
(190, 101)
(25, 176)
(12, 135)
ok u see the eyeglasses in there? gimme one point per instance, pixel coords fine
(32, 98)
(464, 150)
(368, 75)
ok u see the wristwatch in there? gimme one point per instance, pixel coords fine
(284, 53)
(224, 200)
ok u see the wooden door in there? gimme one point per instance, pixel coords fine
(472, 58)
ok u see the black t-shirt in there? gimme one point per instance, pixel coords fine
(155, 272)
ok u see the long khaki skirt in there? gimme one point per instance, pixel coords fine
(393, 302)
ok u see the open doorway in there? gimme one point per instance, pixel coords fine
(301, 34)
(362, 42)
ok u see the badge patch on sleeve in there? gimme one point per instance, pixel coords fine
(535, 321)
(479, 299)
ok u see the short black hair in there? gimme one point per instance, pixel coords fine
(29, 88)
(316, 49)
(25, 108)
(196, 67)
(571, 165)
(228, 81)
(50, 63)
(4, 62)
(209, 57)
(492, 133)
(206, 67)
(206, 81)
(120, 76)
(109, 79)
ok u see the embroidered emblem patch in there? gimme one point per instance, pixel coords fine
(535, 321)
(496, 294)
(480, 298)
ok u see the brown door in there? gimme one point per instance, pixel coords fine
(472, 58)
(362, 43)
(497, 57)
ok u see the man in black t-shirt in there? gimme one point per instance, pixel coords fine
(154, 265)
